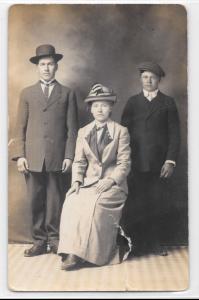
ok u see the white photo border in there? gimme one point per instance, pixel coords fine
(192, 292)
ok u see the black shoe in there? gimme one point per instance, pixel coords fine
(162, 251)
(52, 248)
(35, 250)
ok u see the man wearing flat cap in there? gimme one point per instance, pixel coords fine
(44, 147)
(152, 120)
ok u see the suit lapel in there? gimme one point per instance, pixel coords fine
(92, 142)
(103, 141)
(109, 139)
(54, 96)
(154, 105)
(39, 95)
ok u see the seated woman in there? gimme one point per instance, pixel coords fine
(89, 226)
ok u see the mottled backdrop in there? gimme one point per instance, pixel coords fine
(100, 43)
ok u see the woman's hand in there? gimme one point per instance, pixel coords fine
(74, 188)
(104, 184)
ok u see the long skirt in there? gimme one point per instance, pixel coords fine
(89, 226)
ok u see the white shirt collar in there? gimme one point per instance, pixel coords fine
(47, 82)
(98, 124)
(110, 125)
(150, 95)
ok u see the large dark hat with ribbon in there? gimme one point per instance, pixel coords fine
(151, 67)
(100, 92)
(45, 51)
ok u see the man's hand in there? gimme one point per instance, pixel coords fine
(74, 188)
(104, 184)
(167, 170)
(22, 165)
(66, 165)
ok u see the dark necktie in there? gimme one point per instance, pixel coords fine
(99, 128)
(46, 91)
(46, 87)
(102, 141)
(98, 146)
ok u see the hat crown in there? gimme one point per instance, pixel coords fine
(153, 67)
(99, 89)
(45, 50)
(100, 92)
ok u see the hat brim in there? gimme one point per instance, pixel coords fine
(111, 98)
(159, 74)
(35, 59)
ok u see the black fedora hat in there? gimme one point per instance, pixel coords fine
(43, 51)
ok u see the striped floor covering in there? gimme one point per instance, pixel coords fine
(148, 273)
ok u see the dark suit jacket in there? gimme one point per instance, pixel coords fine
(46, 129)
(154, 131)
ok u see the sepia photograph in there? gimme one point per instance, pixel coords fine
(98, 148)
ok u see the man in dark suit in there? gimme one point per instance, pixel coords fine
(44, 147)
(152, 120)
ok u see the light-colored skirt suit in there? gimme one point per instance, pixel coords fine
(89, 226)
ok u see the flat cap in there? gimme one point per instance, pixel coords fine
(151, 67)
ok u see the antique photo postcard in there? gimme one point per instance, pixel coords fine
(97, 148)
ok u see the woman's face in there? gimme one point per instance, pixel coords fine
(101, 110)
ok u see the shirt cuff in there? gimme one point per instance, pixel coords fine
(171, 162)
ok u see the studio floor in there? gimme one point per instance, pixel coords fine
(147, 273)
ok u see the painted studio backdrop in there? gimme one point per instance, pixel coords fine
(100, 43)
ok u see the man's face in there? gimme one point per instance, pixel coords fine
(47, 68)
(150, 81)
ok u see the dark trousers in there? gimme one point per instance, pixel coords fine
(46, 191)
(145, 208)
